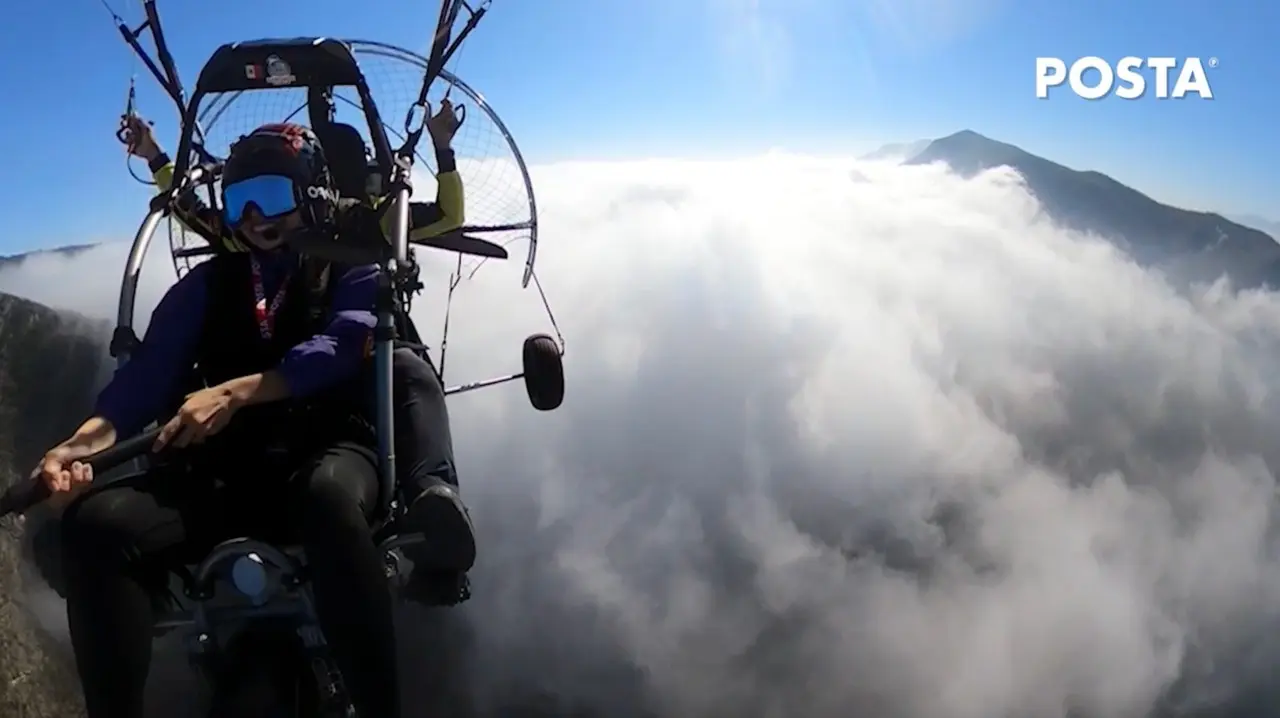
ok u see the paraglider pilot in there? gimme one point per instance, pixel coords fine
(254, 363)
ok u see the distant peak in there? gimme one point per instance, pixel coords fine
(965, 135)
(969, 138)
(968, 152)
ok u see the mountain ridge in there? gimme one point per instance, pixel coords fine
(1189, 244)
(12, 260)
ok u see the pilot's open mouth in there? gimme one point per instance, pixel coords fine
(264, 231)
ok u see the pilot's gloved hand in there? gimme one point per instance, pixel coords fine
(139, 137)
(444, 124)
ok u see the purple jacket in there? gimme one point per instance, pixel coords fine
(152, 377)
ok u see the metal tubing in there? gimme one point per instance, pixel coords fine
(132, 270)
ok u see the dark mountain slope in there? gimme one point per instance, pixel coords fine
(49, 365)
(1195, 245)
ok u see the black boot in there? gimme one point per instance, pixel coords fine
(441, 561)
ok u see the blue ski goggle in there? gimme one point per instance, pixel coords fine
(273, 195)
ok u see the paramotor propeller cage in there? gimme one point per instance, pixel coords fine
(310, 63)
(322, 64)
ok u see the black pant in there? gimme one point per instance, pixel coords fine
(118, 538)
(424, 445)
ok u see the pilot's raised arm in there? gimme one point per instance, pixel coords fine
(448, 211)
(189, 209)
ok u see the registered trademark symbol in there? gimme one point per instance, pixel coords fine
(1213, 62)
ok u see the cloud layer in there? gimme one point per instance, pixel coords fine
(848, 438)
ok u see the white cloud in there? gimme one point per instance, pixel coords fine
(847, 438)
(89, 284)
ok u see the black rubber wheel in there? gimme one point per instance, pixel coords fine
(543, 372)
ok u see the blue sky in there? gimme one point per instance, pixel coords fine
(593, 79)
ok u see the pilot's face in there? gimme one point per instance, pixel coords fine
(268, 234)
